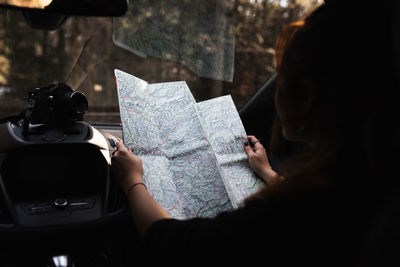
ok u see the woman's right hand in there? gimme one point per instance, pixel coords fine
(128, 171)
(127, 167)
(258, 160)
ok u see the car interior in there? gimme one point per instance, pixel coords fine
(59, 204)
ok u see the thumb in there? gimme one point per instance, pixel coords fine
(120, 146)
(248, 149)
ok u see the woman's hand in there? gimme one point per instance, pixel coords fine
(128, 170)
(127, 167)
(258, 160)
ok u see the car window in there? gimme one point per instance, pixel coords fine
(84, 52)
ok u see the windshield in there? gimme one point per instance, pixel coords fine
(218, 47)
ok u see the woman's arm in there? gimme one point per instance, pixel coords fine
(128, 171)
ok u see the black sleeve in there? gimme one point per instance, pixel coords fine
(286, 231)
(231, 231)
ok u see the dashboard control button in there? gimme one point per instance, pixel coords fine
(79, 204)
(36, 208)
(60, 203)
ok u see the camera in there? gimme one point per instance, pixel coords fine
(56, 103)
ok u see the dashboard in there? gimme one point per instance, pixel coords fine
(55, 184)
(56, 175)
(56, 187)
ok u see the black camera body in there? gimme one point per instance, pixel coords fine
(56, 104)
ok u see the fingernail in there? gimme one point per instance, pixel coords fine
(246, 143)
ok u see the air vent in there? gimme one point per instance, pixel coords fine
(5, 216)
(116, 199)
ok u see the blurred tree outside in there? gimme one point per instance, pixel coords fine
(82, 54)
(199, 34)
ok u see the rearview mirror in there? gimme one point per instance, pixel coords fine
(112, 8)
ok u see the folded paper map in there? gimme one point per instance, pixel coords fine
(193, 157)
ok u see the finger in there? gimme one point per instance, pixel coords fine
(256, 143)
(121, 147)
(248, 149)
(252, 139)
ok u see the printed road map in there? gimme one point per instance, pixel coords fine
(193, 157)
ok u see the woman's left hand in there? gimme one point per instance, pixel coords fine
(259, 162)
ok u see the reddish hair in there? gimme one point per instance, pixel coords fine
(354, 108)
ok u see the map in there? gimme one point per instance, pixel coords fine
(193, 157)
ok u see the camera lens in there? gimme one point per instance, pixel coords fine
(78, 103)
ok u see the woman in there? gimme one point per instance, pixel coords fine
(321, 212)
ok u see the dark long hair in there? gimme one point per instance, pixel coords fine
(346, 51)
